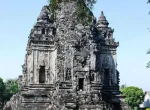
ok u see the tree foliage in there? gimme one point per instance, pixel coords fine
(2, 87)
(7, 89)
(82, 11)
(11, 87)
(134, 96)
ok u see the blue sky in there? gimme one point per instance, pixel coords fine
(129, 18)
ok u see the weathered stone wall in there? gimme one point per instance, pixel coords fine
(107, 62)
(47, 59)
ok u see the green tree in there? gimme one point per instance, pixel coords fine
(11, 87)
(134, 96)
(2, 88)
(7, 89)
(82, 11)
(88, 3)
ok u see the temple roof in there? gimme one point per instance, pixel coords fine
(43, 17)
(102, 17)
(102, 21)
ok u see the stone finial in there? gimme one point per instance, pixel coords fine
(102, 14)
(102, 22)
(102, 17)
(43, 17)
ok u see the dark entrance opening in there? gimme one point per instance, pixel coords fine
(42, 74)
(116, 106)
(81, 84)
(105, 35)
(43, 31)
(106, 77)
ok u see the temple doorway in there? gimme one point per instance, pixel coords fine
(42, 74)
(81, 84)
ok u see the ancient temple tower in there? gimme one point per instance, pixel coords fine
(41, 52)
(69, 66)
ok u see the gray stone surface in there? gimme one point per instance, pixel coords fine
(69, 66)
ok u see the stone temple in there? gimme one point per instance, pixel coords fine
(69, 66)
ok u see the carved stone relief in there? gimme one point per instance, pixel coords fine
(68, 74)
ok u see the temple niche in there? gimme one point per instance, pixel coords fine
(68, 74)
(42, 78)
(69, 66)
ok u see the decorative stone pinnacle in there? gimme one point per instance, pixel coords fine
(102, 22)
(102, 17)
(43, 15)
(102, 14)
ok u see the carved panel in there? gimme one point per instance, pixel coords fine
(68, 74)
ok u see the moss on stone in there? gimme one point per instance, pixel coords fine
(82, 11)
